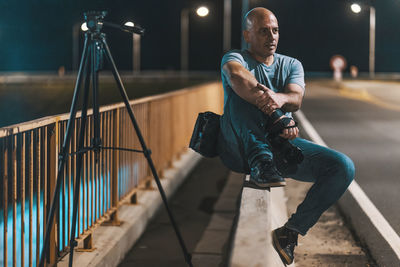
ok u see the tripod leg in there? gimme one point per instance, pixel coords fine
(146, 151)
(78, 174)
(63, 154)
(96, 58)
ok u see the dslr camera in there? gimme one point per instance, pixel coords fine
(286, 155)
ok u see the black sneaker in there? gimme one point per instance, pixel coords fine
(284, 241)
(265, 174)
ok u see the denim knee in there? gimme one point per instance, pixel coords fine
(345, 168)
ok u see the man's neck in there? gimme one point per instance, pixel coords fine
(266, 60)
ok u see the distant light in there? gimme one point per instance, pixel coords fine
(129, 24)
(202, 11)
(356, 8)
(84, 27)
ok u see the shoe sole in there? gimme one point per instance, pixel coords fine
(275, 184)
(284, 257)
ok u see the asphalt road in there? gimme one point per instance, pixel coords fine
(364, 123)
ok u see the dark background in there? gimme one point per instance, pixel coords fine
(36, 35)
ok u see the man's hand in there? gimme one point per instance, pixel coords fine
(290, 133)
(268, 101)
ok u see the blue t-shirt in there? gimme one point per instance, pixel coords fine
(282, 71)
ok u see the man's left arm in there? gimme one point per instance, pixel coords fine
(291, 97)
(288, 101)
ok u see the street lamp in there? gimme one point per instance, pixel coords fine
(135, 48)
(202, 12)
(356, 8)
(84, 27)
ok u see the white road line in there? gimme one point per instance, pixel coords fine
(377, 219)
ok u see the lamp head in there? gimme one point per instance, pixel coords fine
(202, 11)
(356, 8)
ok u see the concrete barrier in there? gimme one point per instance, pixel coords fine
(260, 212)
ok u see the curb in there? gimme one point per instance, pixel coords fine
(260, 212)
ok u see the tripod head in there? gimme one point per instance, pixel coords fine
(95, 21)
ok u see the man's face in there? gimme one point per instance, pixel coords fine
(263, 36)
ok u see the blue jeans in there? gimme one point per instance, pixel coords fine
(329, 170)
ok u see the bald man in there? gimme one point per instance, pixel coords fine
(258, 84)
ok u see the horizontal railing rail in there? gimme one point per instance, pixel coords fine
(29, 162)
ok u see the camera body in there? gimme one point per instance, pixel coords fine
(286, 155)
(94, 20)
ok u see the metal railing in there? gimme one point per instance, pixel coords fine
(28, 168)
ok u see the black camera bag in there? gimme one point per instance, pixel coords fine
(205, 134)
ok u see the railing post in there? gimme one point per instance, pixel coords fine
(52, 133)
(115, 168)
(5, 198)
(14, 193)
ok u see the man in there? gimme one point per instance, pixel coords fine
(257, 82)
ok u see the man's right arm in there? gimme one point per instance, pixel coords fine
(247, 87)
(242, 81)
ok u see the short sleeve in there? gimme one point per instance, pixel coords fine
(296, 74)
(233, 55)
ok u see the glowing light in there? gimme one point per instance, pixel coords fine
(356, 8)
(202, 11)
(129, 24)
(84, 27)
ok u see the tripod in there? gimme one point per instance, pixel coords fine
(95, 47)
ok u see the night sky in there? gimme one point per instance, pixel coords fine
(36, 35)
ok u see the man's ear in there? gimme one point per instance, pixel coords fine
(246, 36)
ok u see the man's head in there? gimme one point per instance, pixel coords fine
(261, 32)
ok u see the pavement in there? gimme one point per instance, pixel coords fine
(204, 222)
(330, 242)
(384, 94)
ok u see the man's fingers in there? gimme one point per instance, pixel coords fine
(262, 87)
(260, 99)
(290, 133)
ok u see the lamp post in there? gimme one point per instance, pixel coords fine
(201, 12)
(75, 43)
(227, 25)
(356, 8)
(135, 49)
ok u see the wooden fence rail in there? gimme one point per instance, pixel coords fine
(29, 162)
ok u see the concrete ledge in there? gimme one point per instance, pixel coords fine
(260, 212)
(113, 242)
